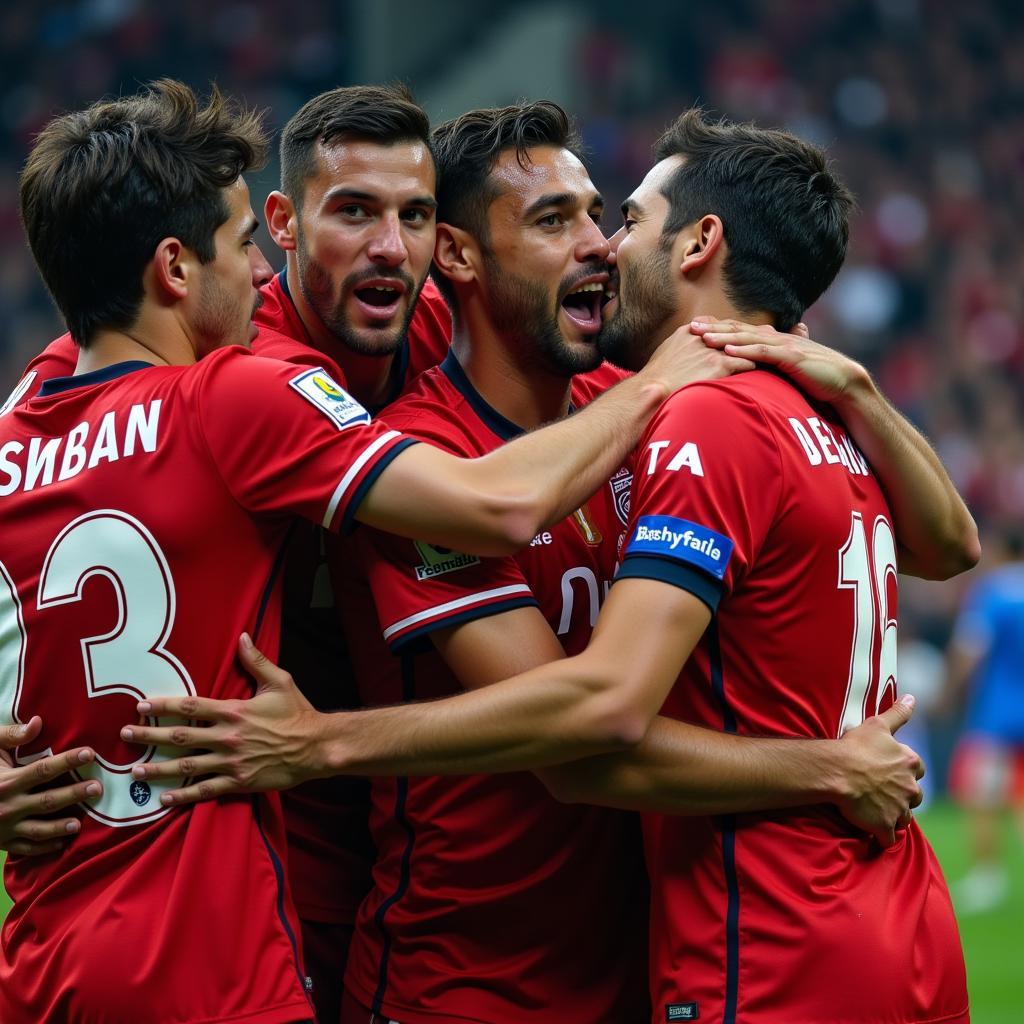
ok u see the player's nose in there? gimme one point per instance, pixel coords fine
(387, 245)
(260, 268)
(592, 245)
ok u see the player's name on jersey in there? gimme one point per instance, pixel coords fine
(118, 435)
(824, 446)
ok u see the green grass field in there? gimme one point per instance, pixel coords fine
(993, 943)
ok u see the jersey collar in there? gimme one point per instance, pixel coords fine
(504, 428)
(399, 368)
(56, 385)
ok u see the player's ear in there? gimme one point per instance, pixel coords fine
(170, 269)
(455, 253)
(701, 242)
(282, 220)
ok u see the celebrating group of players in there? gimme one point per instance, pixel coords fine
(167, 493)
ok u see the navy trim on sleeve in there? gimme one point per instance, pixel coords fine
(668, 570)
(421, 633)
(348, 522)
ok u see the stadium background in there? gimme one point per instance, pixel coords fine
(920, 102)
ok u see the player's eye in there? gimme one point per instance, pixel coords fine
(628, 223)
(550, 220)
(354, 211)
(597, 216)
(416, 215)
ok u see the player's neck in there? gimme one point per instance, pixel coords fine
(109, 347)
(526, 395)
(369, 379)
(716, 304)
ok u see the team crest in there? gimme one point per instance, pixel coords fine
(333, 401)
(140, 792)
(589, 531)
(621, 484)
(438, 561)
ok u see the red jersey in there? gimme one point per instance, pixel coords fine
(755, 500)
(145, 511)
(328, 842)
(329, 847)
(491, 902)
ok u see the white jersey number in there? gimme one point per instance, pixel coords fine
(129, 659)
(867, 569)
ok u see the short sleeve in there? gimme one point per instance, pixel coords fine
(419, 588)
(290, 439)
(706, 487)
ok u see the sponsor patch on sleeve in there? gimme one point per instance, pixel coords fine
(682, 540)
(333, 401)
(439, 561)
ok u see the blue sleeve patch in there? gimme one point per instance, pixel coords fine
(683, 541)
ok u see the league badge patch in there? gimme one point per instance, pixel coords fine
(333, 401)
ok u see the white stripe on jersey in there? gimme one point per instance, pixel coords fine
(353, 471)
(18, 393)
(459, 602)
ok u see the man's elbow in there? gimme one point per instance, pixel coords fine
(963, 552)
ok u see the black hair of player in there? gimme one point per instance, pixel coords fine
(102, 187)
(384, 114)
(466, 150)
(784, 212)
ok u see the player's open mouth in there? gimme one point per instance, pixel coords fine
(379, 300)
(583, 306)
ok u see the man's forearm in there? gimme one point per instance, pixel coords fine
(684, 769)
(539, 717)
(936, 533)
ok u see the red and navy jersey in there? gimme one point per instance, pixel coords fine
(145, 513)
(756, 500)
(329, 847)
(491, 901)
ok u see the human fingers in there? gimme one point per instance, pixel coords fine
(260, 667)
(171, 735)
(21, 780)
(202, 709)
(181, 767)
(206, 789)
(30, 806)
(14, 735)
(29, 848)
(897, 716)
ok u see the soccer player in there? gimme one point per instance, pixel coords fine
(355, 218)
(106, 565)
(756, 596)
(986, 656)
(458, 925)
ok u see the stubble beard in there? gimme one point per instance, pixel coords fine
(521, 307)
(629, 337)
(318, 290)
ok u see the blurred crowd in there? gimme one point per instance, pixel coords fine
(920, 102)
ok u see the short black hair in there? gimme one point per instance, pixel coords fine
(784, 212)
(385, 114)
(467, 148)
(104, 186)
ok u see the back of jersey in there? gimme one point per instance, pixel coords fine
(145, 509)
(758, 502)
